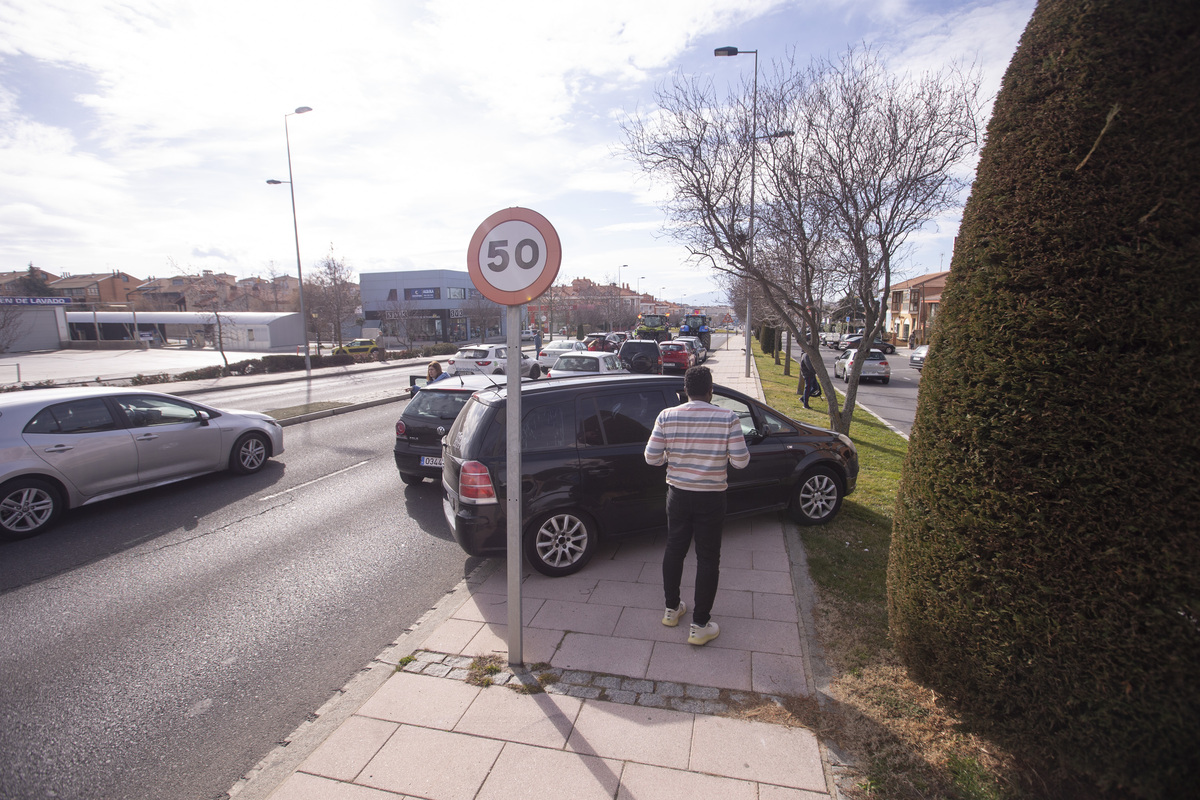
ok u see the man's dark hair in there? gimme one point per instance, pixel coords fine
(697, 382)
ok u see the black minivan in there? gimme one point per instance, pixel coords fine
(584, 477)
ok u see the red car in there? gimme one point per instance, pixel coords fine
(677, 355)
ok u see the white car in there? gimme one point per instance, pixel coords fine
(874, 368)
(488, 359)
(550, 351)
(572, 364)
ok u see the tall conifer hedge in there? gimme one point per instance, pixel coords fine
(1045, 564)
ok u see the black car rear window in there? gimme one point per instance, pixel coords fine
(432, 404)
(469, 434)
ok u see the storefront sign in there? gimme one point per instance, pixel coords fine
(35, 301)
(422, 294)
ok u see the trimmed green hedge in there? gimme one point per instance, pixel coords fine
(767, 339)
(1045, 564)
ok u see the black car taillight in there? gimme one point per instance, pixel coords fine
(474, 482)
(400, 429)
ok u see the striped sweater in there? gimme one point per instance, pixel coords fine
(695, 440)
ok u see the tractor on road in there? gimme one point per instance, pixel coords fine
(696, 324)
(653, 326)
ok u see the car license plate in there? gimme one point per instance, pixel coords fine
(430, 461)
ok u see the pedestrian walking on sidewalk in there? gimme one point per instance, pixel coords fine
(809, 374)
(695, 440)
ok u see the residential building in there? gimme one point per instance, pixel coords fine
(913, 307)
(9, 281)
(114, 287)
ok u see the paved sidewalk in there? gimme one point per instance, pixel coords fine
(610, 703)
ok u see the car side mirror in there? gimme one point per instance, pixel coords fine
(203, 417)
(755, 436)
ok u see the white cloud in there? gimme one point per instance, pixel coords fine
(138, 132)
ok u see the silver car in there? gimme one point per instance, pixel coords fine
(63, 448)
(875, 367)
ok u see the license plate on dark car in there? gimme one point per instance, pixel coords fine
(430, 461)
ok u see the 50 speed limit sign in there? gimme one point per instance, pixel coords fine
(514, 256)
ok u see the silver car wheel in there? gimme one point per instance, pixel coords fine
(818, 497)
(249, 454)
(562, 543)
(26, 509)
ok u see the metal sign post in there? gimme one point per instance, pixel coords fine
(513, 258)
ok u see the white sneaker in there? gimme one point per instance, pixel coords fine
(703, 634)
(672, 615)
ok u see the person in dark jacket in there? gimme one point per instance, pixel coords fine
(809, 375)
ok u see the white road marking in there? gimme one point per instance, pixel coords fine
(309, 483)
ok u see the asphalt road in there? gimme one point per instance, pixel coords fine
(159, 645)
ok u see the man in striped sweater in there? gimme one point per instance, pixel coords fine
(695, 440)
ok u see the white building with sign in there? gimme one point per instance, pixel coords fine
(33, 323)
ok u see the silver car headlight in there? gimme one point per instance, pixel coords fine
(844, 439)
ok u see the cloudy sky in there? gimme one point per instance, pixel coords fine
(139, 135)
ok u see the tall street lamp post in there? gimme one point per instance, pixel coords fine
(733, 51)
(620, 293)
(296, 229)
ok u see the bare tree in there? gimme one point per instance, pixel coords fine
(482, 313)
(554, 300)
(398, 316)
(273, 299)
(13, 325)
(335, 295)
(855, 160)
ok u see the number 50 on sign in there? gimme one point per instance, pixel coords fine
(514, 256)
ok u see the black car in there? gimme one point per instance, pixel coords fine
(426, 419)
(641, 356)
(585, 478)
(853, 344)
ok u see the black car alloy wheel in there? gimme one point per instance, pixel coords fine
(818, 497)
(560, 543)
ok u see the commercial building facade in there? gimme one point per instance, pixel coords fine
(427, 305)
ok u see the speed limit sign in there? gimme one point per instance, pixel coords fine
(514, 256)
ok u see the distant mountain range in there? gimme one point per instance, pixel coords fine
(713, 298)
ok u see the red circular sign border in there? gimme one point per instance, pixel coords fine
(549, 273)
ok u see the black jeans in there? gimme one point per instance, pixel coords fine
(810, 386)
(693, 516)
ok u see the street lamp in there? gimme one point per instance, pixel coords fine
(296, 229)
(620, 294)
(733, 51)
